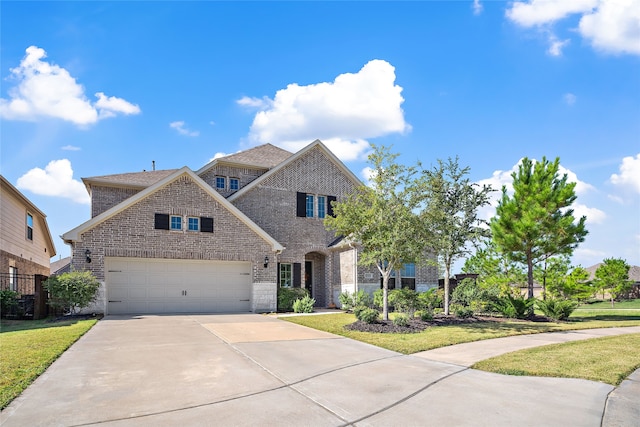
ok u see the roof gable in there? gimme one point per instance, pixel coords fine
(75, 234)
(315, 144)
(132, 180)
(262, 157)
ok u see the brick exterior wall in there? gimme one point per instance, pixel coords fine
(131, 233)
(272, 205)
(23, 265)
(104, 198)
(245, 175)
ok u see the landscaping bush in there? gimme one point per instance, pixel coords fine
(404, 301)
(425, 315)
(72, 291)
(350, 301)
(368, 315)
(287, 296)
(377, 299)
(432, 299)
(402, 319)
(461, 311)
(304, 305)
(557, 309)
(471, 295)
(517, 307)
(8, 302)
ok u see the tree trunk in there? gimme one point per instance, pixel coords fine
(385, 296)
(447, 269)
(529, 277)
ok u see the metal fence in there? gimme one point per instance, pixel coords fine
(23, 284)
(31, 302)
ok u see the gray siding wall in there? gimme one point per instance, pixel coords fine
(131, 233)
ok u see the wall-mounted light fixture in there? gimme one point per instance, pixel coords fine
(266, 262)
(87, 254)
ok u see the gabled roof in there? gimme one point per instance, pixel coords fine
(131, 180)
(61, 266)
(291, 159)
(634, 272)
(75, 234)
(6, 185)
(262, 157)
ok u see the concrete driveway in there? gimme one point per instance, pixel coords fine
(244, 370)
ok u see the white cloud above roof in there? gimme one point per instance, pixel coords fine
(611, 26)
(629, 176)
(44, 89)
(56, 179)
(179, 126)
(343, 113)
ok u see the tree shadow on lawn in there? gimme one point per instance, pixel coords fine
(9, 325)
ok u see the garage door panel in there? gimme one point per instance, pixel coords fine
(177, 286)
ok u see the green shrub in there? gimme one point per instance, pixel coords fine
(461, 311)
(432, 299)
(350, 301)
(557, 309)
(304, 305)
(377, 299)
(517, 307)
(401, 319)
(287, 296)
(425, 315)
(368, 315)
(72, 291)
(469, 294)
(8, 301)
(405, 301)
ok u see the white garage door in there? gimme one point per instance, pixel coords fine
(137, 286)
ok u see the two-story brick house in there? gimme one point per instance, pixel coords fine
(222, 238)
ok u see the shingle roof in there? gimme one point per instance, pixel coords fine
(136, 179)
(634, 272)
(61, 266)
(266, 156)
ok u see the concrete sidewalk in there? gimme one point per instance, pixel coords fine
(243, 370)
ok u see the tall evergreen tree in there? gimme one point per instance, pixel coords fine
(537, 222)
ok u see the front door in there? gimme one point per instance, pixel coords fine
(308, 277)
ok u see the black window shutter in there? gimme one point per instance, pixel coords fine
(330, 200)
(162, 221)
(297, 274)
(301, 204)
(206, 224)
(278, 280)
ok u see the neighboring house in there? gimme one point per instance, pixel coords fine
(61, 266)
(26, 245)
(225, 237)
(634, 276)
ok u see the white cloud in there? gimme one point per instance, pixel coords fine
(594, 215)
(55, 180)
(342, 113)
(70, 148)
(556, 46)
(179, 127)
(614, 26)
(610, 25)
(477, 7)
(569, 98)
(629, 176)
(541, 12)
(44, 89)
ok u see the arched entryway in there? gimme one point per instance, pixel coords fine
(314, 277)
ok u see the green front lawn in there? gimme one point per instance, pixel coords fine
(28, 347)
(609, 360)
(606, 305)
(441, 336)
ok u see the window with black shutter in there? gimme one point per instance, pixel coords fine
(301, 204)
(162, 221)
(206, 224)
(330, 200)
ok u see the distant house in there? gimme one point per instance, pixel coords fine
(634, 276)
(224, 238)
(26, 245)
(61, 266)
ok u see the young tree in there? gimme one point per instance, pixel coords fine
(451, 214)
(537, 222)
(494, 270)
(381, 219)
(72, 291)
(577, 285)
(551, 274)
(613, 276)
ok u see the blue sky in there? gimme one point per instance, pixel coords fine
(92, 88)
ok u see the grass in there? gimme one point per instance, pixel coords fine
(448, 335)
(609, 360)
(606, 305)
(29, 347)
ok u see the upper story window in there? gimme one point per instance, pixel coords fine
(221, 182)
(29, 226)
(234, 184)
(175, 222)
(322, 206)
(310, 205)
(193, 224)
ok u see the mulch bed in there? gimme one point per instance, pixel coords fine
(417, 325)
